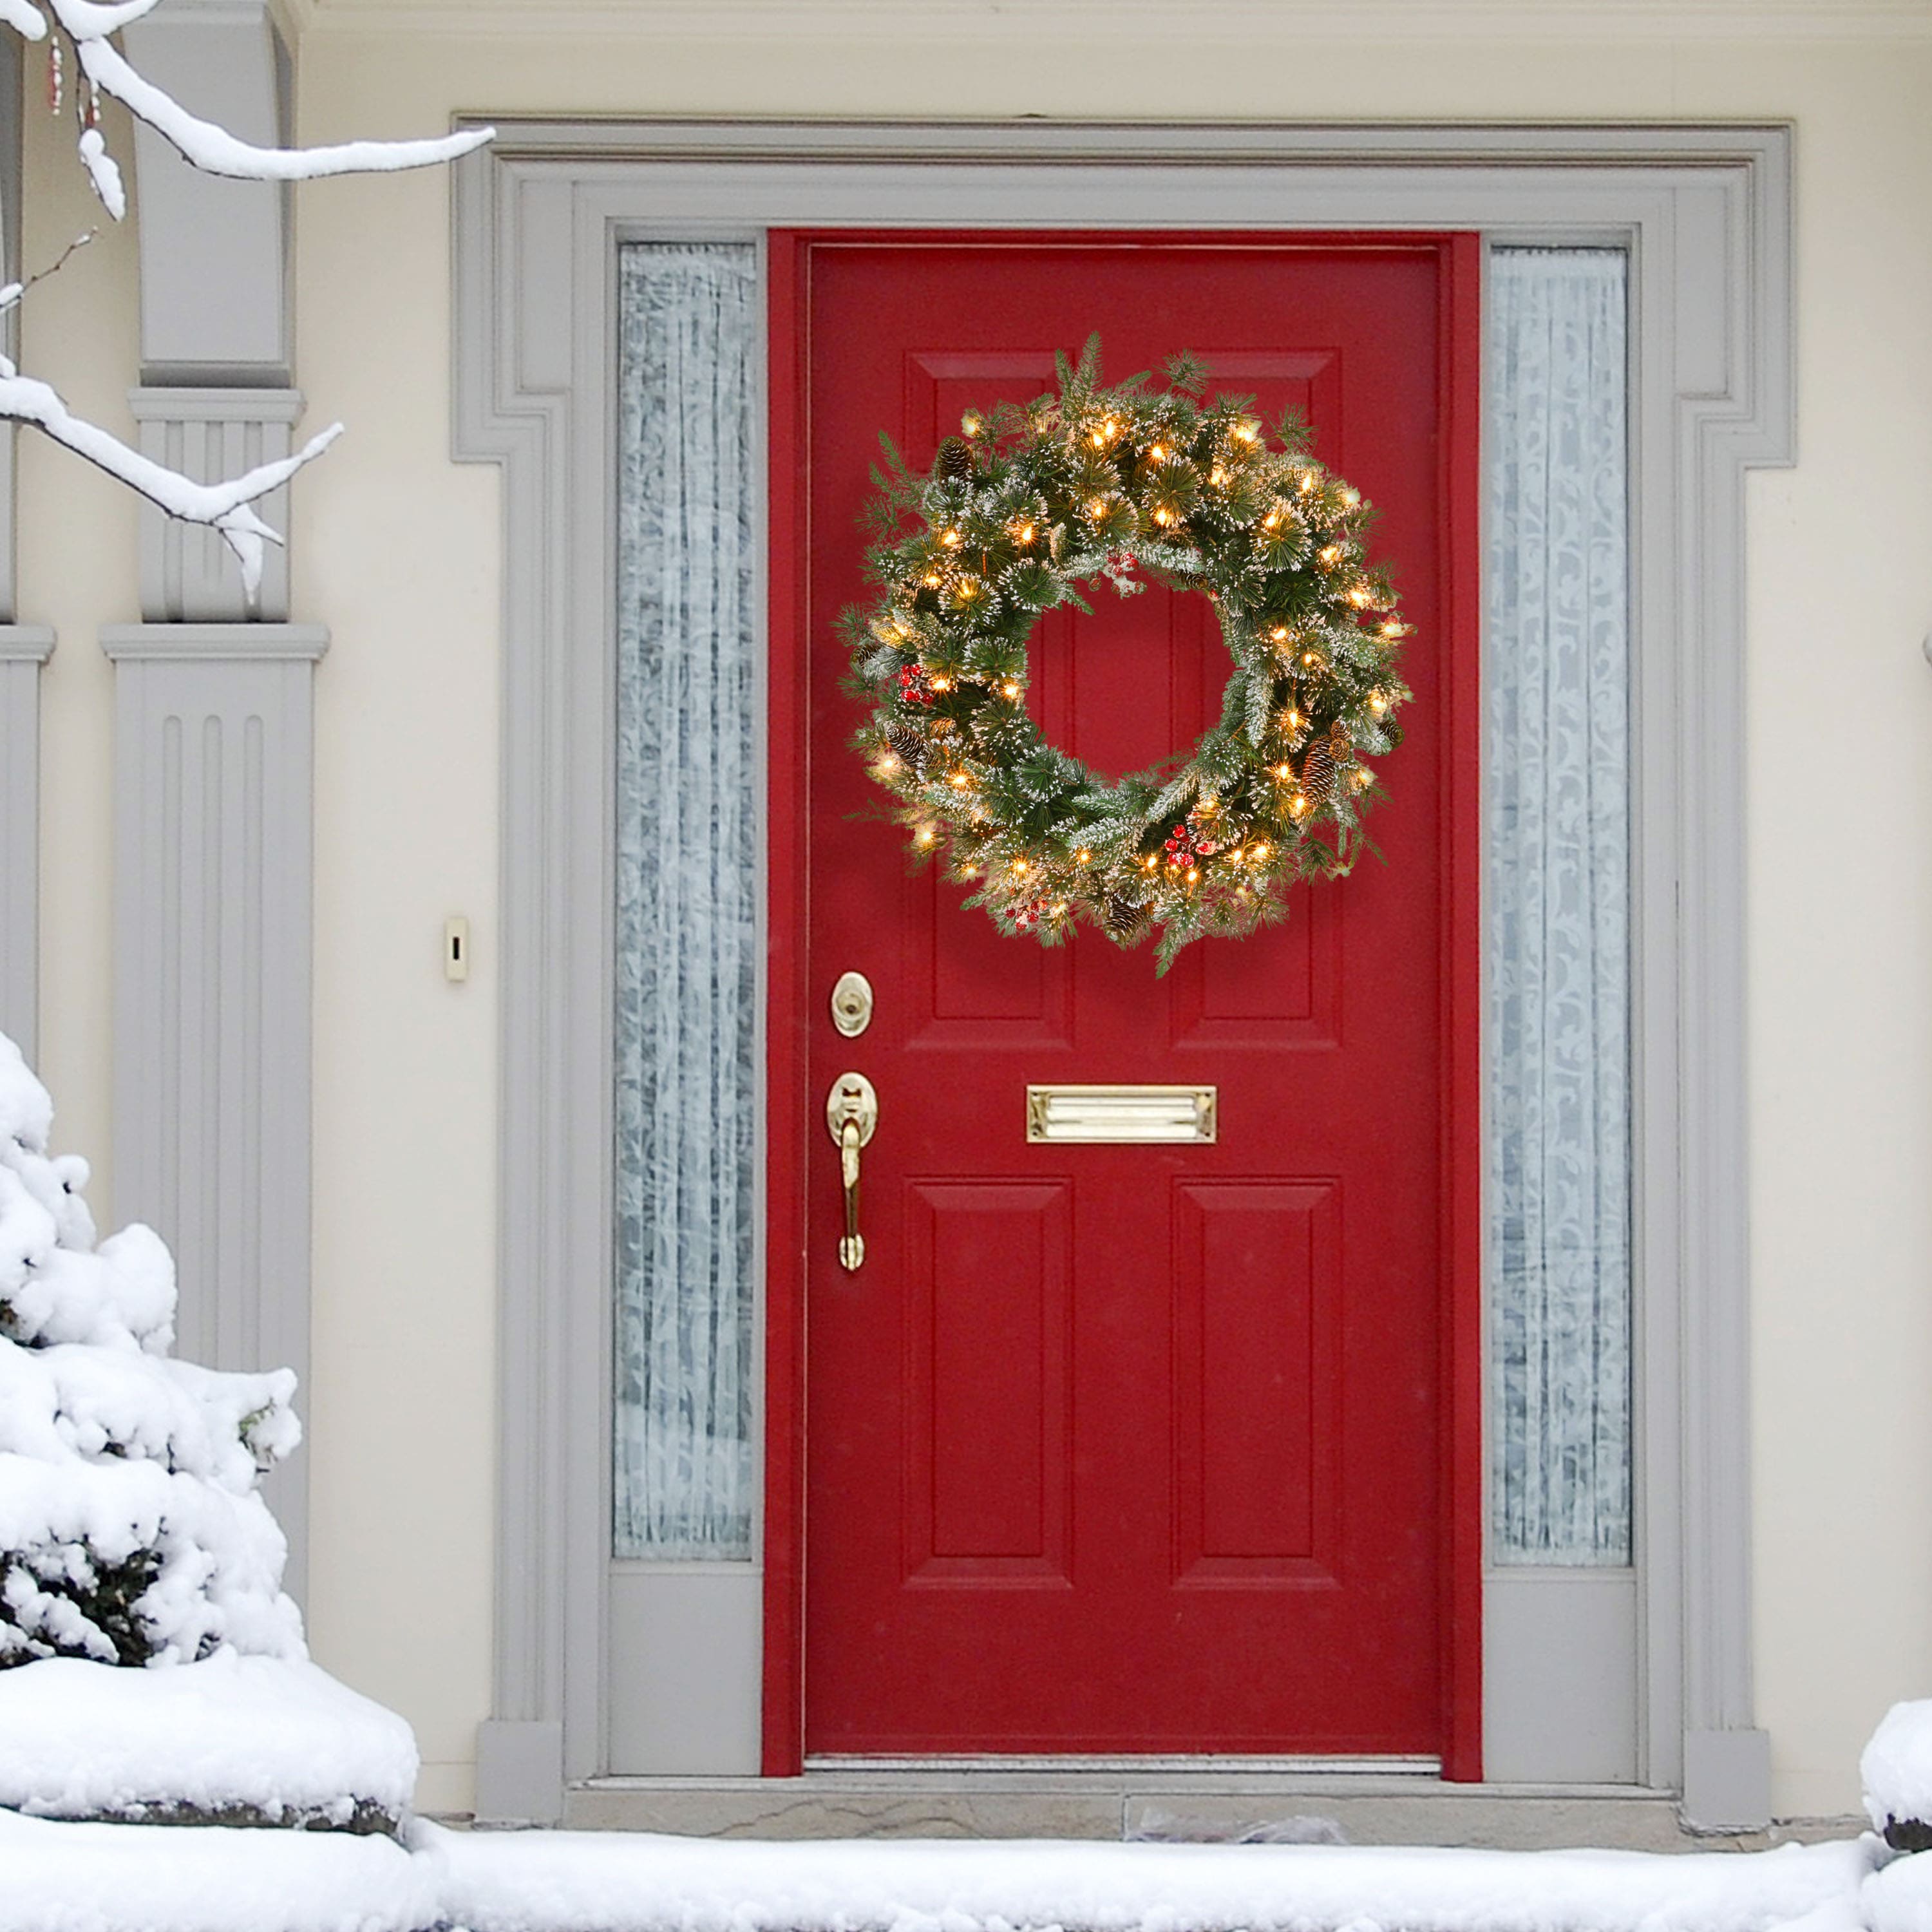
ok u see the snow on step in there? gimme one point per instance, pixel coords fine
(161, 1878)
(599, 1881)
(1899, 1898)
(78, 1739)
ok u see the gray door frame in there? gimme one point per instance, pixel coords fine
(1705, 212)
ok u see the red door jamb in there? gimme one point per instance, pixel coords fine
(1459, 360)
(788, 1108)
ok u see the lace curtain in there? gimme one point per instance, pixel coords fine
(1559, 918)
(686, 921)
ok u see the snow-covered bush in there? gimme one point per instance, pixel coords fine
(1896, 1771)
(131, 1531)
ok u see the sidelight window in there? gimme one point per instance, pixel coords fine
(1557, 936)
(687, 931)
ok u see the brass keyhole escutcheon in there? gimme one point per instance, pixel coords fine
(852, 1004)
(851, 1116)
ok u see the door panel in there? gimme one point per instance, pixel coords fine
(989, 1424)
(1116, 1449)
(1257, 1268)
(961, 989)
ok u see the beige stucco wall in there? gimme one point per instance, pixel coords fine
(398, 553)
(76, 545)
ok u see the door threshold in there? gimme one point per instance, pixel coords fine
(1134, 1765)
(1202, 1803)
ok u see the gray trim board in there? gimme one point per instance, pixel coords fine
(213, 918)
(1560, 1675)
(24, 648)
(519, 1772)
(665, 1703)
(1705, 212)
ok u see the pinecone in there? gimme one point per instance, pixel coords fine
(1125, 919)
(1318, 770)
(909, 747)
(954, 460)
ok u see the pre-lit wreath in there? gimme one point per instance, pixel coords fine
(1026, 505)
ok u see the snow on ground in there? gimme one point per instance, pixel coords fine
(1896, 1767)
(135, 1878)
(1899, 1898)
(600, 1882)
(279, 1734)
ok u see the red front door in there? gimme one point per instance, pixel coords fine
(1130, 1449)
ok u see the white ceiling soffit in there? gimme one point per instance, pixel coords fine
(1193, 21)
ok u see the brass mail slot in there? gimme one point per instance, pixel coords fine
(1120, 1113)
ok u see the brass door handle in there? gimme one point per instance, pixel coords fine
(851, 1114)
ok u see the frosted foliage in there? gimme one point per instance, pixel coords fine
(130, 1530)
(1558, 909)
(686, 926)
(1896, 1768)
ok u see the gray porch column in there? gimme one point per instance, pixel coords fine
(212, 920)
(213, 735)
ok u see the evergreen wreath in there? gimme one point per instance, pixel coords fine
(1125, 483)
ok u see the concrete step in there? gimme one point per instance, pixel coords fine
(1204, 1806)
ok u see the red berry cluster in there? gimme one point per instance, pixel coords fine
(913, 686)
(1026, 915)
(1191, 842)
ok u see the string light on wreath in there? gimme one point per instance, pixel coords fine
(1136, 483)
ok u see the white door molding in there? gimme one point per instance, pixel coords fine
(1706, 213)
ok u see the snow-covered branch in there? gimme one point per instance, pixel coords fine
(26, 19)
(222, 506)
(10, 296)
(205, 144)
(216, 152)
(85, 25)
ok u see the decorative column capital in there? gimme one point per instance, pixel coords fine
(245, 643)
(26, 643)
